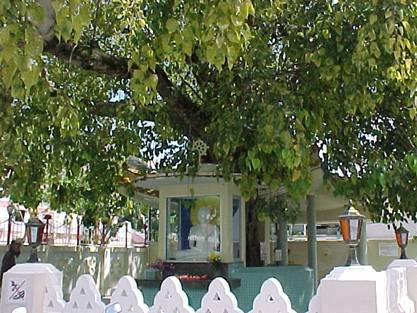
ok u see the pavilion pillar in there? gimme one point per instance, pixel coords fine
(226, 225)
(363, 246)
(267, 235)
(162, 231)
(282, 242)
(312, 236)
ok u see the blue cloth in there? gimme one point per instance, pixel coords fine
(185, 228)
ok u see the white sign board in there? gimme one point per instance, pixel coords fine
(388, 249)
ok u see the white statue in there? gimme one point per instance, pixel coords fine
(203, 238)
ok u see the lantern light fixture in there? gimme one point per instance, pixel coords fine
(351, 226)
(401, 236)
(34, 232)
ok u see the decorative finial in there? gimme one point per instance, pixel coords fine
(201, 147)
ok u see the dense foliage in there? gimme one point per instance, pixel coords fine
(266, 84)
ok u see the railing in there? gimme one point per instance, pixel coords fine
(17, 230)
(67, 235)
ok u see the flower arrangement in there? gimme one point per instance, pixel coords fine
(160, 265)
(214, 257)
(159, 269)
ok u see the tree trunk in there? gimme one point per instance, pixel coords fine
(253, 257)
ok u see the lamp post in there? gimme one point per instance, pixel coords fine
(34, 231)
(351, 225)
(10, 210)
(401, 235)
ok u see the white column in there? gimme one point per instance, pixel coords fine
(363, 246)
(29, 285)
(358, 289)
(282, 242)
(162, 231)
(243, 231)
(226, 224)
(267, 236)
(410, 268)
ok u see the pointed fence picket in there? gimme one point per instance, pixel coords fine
(219, 298)
(128, 296)
(85, 298)
(53, 302)
(171, 298)
(272, 299)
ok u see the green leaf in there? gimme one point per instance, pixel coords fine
(63, 22)
(406, 25)
(34, 43)
(9, 52)
(233, 36)
(381, 179)
(18, 91)
(373, 19)
(412, 112)
(375, 50)
(4, 35)
(211, 52)
(296, 174)
(256, 163)
(36, 13)
(80, 21)
(153, 81)
(30, 77)
(172, 25)
(248, 8)
(9, 72)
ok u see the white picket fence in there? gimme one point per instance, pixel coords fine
(171, 298)
(358, 289)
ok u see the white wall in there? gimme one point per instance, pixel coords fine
(106, 265)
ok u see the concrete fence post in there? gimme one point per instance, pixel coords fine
(358, 289)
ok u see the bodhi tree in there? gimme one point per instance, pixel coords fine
(268, 85)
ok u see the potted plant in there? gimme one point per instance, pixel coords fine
(156, 269)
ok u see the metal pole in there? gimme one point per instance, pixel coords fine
(47, 230)
(403, 255)
(103, 234)
(352, 256)
(78, 231)
(312, 237)
(33, 255)
(149, 228)
(147, 234)
(9, 229)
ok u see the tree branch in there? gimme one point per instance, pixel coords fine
(187, 114)
(87, 58)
